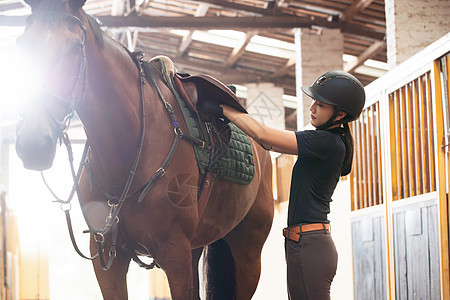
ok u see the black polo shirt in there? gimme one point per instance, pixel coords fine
(315, 175)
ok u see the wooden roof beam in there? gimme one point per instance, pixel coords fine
(236, 6)
(201, 11)
(283, 70)
(354, 9)
(147, 23)
(239, 50)
(370, 52)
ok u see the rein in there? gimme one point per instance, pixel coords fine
(115, 203)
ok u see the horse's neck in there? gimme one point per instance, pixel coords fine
(111, 110)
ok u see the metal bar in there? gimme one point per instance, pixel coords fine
(424, 135)
(378, 155)
(353, 174)
(417, 138)
(404, 144)
(360, 165)
(372, 170)
(367, 162)
(364, 153)
(398, 146)
(411, 141)
(431, 134)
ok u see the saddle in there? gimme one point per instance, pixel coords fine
(228, 153)
(197, 88)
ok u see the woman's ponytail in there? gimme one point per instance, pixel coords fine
(348, 140)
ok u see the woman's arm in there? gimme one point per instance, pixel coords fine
(283, 141)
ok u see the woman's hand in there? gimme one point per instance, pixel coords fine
(283, 141)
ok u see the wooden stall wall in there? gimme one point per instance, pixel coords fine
(416, 251)
(400, 182)
(369, 257)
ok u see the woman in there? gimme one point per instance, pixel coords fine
(324, 155)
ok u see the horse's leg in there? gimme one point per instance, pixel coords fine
(196, 253)
(174, 257)
(246, 242)
(113, 282)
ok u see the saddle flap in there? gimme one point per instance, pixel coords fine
(188, 92)
(211, 89)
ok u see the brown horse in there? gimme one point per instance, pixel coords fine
(83, 70)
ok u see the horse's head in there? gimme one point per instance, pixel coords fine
(53, 46)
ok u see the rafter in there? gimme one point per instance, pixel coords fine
(201, 11)
(354, 9)
(370, 52)
(144, 23)
(236, 6)
(283, 70)
(132, 39)
(239, 50)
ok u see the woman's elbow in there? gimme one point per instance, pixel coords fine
(261, 135)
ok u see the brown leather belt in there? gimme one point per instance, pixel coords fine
(293, 233)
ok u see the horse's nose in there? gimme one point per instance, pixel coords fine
(36, 153)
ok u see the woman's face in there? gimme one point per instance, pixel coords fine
(320, 113)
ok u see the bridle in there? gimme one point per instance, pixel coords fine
(115, 202)
(71, 102)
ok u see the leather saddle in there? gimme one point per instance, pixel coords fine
(198, 88)
(195, 89)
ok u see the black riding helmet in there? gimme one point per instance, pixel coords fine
(340, 89)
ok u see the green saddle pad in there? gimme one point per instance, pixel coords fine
(235, 163)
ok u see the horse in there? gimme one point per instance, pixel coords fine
(140, 172)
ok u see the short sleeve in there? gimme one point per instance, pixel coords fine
(317, 144)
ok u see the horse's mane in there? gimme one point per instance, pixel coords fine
(95, 24)
(149, 68)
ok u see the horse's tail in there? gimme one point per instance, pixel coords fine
(220, 272)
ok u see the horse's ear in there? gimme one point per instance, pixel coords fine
(32, 3)
(76, 4)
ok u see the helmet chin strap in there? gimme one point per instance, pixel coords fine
(330, 121)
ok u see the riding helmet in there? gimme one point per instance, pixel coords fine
(340, 89)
